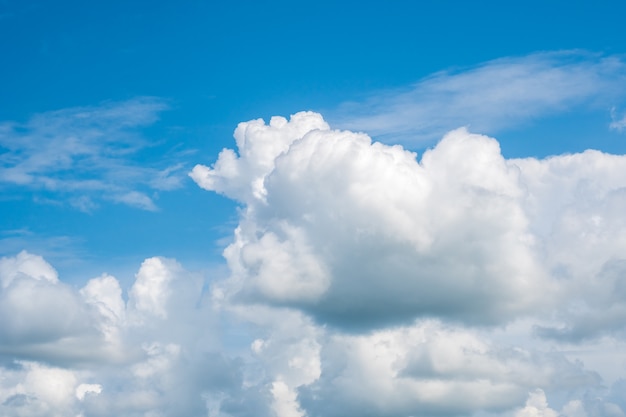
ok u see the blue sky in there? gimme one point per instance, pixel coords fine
(114, 117)
(211, 66)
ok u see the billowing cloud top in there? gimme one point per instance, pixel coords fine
(364, 280)
(361, 234)
(415, 266)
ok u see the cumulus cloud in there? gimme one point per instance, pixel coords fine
(491, 97)
(399, 265)
(89, 352)
(574, 204)
(172, 349)
(364, 280)
(418, 369)
(85, 154)
(362, 234)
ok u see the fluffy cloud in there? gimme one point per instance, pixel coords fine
(363, 281)
(170, 351)
(405, 263)
(575, 205)
(418, 369)
(90, 352)
(360, 234)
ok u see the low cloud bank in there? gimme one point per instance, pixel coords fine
(364, 280)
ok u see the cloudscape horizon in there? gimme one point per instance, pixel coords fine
(362, 277)
(264, 210)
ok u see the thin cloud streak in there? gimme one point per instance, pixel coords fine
(87, 153)
(491, 97)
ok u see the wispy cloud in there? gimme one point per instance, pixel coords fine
(88, 153)
(493, 96)
(617, 123)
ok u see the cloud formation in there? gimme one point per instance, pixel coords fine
(361, 234)
(89, 352)
(410, 268)
(493, 96)
(418, 369)
(85, 154)
(364, 280)
(161, 350)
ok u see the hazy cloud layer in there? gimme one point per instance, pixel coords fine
(499, 94)
(85, 154)
(163, 348)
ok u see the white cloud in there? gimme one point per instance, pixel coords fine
(361, 234)
(418, 369)
(84, 389)
(26, 264)
(150, 293)
(537, 406)
(190, 356)
(52, 312)
(365, 280)
(575, 205)
(84, 154)
(105, 293)
(67, 351)
(617, 123)
(491, 97)
(136, 199)
(349, 241)
(243, 177)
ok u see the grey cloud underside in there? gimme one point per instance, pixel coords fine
(428, 369)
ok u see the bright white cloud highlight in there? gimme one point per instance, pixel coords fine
(361, 233)
(26, 264)
(401, 260)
